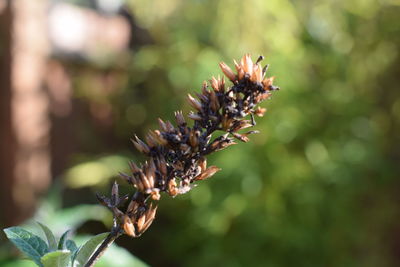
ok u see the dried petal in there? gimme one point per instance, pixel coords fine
(194, 116)
(227, 71)
(128, 226)
(241, 137)
(202, 163)
(247, 64)
(260, 111)
(210, 171)
(194, 102)
(180, 120)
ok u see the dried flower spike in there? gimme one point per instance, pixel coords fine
(177, 154)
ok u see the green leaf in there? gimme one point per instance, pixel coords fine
(88, 248)
(58, 258)
(73, 257)
(71, 246)
(51, 240)
(63, 239)
(116, 256)
(32, 245)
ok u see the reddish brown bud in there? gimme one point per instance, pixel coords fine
(195, 116)
(247, 64)
(128, 226)
(194, 102)
(180, 120)
(210, 171)
(227, 71)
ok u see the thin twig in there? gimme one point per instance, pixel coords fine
(114, 234)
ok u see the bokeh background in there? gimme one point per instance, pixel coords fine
(318, 187)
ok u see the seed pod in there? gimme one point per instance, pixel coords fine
(170, 127)
(180, 120)
(214, 101)
(241, 137)
(126, 177)
(239, 125)
(204, 88)
(194, 138)
(214, 84)
(247, 64)
(268, 82)
(163, 127)
(132, 207)
(140, 145)
(134, 167)
(194, 102)
(140, 222)
(162, 166)
(150, 140)
(257, 74)
(226, 122)
(202, 163)
(194, 116)
(128, 226)
(157, 136)
(227, 71)
(210, 171)
(150, 215)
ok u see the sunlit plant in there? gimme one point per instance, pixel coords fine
(177, 160)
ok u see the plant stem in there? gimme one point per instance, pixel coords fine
(114, 234)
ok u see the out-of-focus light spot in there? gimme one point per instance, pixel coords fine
(361, 127)
(179, 76)
(87, 174)
(68, 28)
(316, 153)
(338, 92)
(218, 223)
(147, 57)
(285, 131)
(354, 151)
(109, 6)
(318, 24)
(136, 114)
(235, 204)
(78, 30)
(201, 195)
(251, 185)
(95, 172)
(342, 42)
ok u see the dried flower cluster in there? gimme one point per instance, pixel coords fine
(177, 154)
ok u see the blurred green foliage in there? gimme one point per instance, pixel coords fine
(319, 186)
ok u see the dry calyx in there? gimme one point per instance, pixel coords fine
(177, 153)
